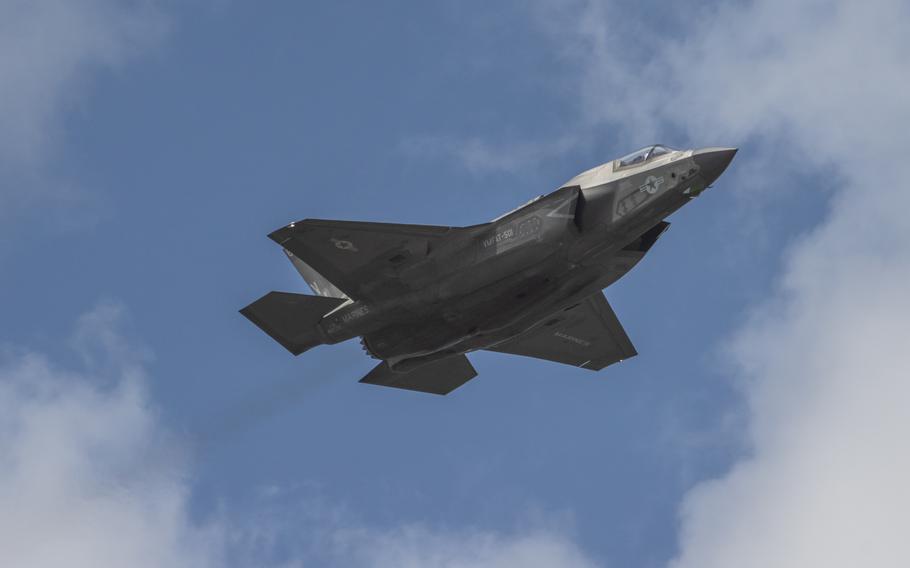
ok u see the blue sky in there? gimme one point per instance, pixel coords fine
(150, 147)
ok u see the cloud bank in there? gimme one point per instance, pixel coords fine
(822, 87)
(89, 477)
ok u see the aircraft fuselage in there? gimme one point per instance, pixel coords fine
(495, 280)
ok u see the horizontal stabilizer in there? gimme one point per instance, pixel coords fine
(291, 319)
(438, 377)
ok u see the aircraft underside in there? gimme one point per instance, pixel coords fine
(528, 283)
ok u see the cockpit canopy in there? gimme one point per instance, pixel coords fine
(643, 155)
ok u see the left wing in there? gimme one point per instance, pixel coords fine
(587, 335)
(360, 259)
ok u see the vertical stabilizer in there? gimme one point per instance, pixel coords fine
(317, 282)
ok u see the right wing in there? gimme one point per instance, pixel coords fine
(360, 259)
(587, 335)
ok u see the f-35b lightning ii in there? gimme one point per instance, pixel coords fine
(527, 283)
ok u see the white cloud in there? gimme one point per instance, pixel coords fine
(823, 361)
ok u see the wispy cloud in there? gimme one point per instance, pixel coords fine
(417, 547)
(313, 532)
(597, 97)
(480, 156)
(50, 51)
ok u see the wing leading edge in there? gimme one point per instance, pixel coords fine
(587, 335)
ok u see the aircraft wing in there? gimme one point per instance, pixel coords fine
(361, 259)
(588, 336)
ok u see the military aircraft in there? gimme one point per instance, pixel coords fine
(527, 283)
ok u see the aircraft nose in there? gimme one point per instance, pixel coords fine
(713, 161)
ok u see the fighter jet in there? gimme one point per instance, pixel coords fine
(420, 297)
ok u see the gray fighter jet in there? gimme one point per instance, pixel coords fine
(527, 283)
